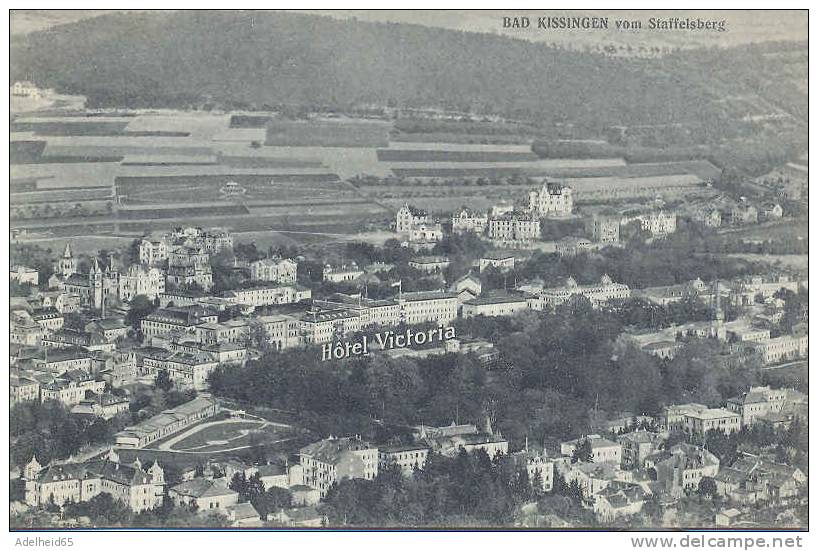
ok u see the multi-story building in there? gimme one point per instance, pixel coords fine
(224, 353)
(468, 220)
(137, 488)
(342, 274)
(571, 246)
(153, 252)
(430, 264)
(602, 449)
(60, 361)
(514, 229)
(64, 303)
(334, 459)
(426, 232)
(593, 478)
(498, 303)
(618, 501)
(683, 468)
(210, 241)
(496, 259)
(268, 295)
(407, 457)
(48, 318)
(23, 389)
(450, 440)
(96, 287)
(186, 369)
(276, 270)
(24, 275)
(322, 326)
(67, 339)
(538, 466)
(698, 423)
(785, 347)
(552, 200)
(741, 213)
(672, 417)
(168, 422)
(372, 312)
(189, 266)
(23, 329)
(636, 446)
(467, 287)
(603, 228)
(760, 401)
(598, 293)
(753, 480)
(205, 494)
(282, 331)
(231, 331)
(70, 388)
(104, 405)
(409, 216)
(165, 321)
(428, 306)
(141, 280)
(658, 223)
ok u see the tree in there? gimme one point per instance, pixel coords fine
(707, 487)
(583, 452)
(239, 485)
(274, 499)
(140, 307)
(163, 381)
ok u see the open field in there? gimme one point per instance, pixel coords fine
(431, 155)
(164, 165)
(454, 146)
(328, 133)
(285, 448)
(798, 262)
(779, 229)
(225, 435)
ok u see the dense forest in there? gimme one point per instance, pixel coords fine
(264, 60)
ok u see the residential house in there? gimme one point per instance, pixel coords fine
(333, 459)
(207, 495)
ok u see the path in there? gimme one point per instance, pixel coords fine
(167, 445)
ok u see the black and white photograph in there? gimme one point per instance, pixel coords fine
(409, 270)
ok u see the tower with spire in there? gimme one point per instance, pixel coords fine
(67, 265)
(95, 282)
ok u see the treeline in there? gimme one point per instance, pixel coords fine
(49, 431)
(555, 367)
(680, 257)
(466, 490)
(190, 58)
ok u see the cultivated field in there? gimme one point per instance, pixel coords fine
(145, 168)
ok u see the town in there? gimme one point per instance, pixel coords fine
(290, 270)
(140, 351)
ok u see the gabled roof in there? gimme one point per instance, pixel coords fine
(202, 487)
(243, 511)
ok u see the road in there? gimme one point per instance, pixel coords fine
(787, 364)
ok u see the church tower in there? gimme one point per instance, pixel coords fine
(32, 469)
(67, 266)
(95, 281)
(157, 473)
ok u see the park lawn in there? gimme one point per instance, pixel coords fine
(220, 431)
